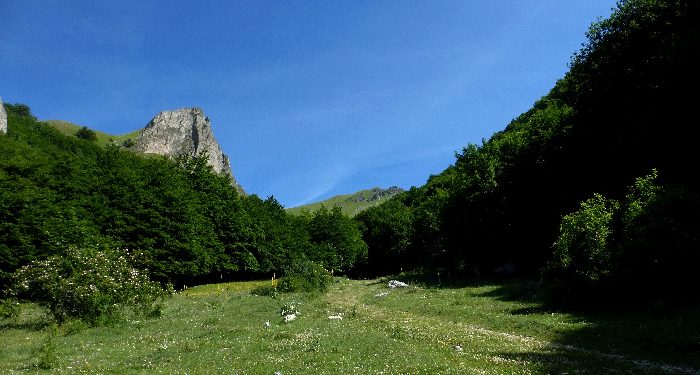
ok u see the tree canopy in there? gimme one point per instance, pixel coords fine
(180, 221)
(624, 108)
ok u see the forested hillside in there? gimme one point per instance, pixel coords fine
(625, 110)
(593, 188)
(176, 219)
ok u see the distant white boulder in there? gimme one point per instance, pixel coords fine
(397, 284)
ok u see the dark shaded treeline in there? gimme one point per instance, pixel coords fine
(627, 106)
(178, 220)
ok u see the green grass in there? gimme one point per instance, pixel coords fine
(501, 328)
(103, 138)
(350, 204)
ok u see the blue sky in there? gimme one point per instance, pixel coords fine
(309, 99)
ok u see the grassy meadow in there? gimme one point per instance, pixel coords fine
(480, 328)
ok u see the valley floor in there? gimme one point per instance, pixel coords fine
(360, 327)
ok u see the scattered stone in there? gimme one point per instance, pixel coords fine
(336, 317)
(289, 318)
(459, 348)
(397, 284)
(267, 324)
(382, 294)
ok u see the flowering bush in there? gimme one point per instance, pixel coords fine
(88, 284)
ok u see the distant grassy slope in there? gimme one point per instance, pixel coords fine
(68, 128)
(351, 204)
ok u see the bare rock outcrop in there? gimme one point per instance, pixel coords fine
(3, 119)
(184, 131)
(375, 194)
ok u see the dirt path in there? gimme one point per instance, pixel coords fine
(440, 332)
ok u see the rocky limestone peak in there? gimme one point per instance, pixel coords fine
(184, 131)
(3, 119)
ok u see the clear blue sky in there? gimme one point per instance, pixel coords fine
(309, 99)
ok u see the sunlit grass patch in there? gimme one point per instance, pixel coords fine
(237, 286)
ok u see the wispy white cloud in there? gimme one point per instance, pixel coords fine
(324, 183)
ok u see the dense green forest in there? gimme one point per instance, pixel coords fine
(593, 188)
(177, 219)
(625, 110)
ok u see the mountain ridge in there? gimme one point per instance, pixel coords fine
(353, 203)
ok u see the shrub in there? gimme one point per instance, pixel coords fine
(305, 276)
(583, 249)
(643, 250)
(264, 290)
(660, 242)
(88, 284)
(8, 308)
(86, 134)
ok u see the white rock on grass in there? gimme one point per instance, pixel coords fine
(289, 318)
(382, 294)
(397, 284)
(336, 317)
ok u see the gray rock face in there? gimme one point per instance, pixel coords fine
(184, 131)
(3, 119)
(376, 194)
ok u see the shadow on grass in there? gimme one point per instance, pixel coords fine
(29, 325)
(651, 339)
(630, 344)
(441, 280)
(28, 317)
